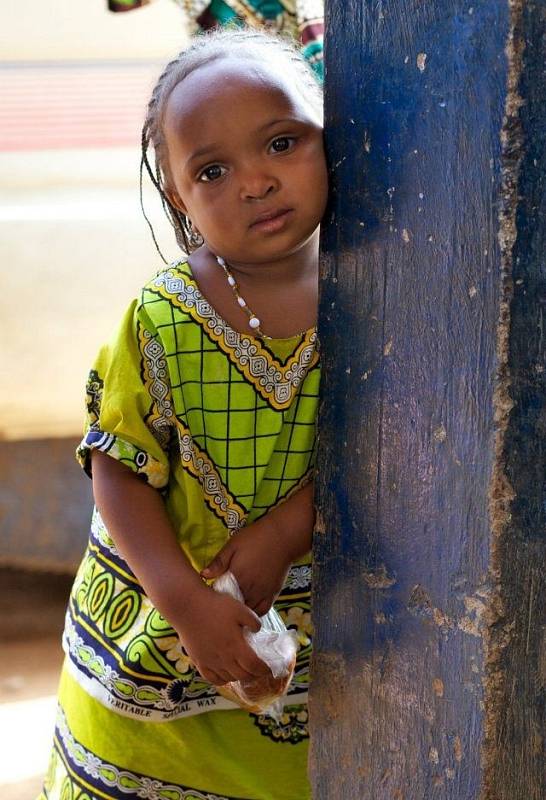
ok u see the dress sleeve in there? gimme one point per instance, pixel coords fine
(129, 408)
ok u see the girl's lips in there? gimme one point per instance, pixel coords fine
(272, 223)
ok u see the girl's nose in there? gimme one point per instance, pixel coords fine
(256, 185)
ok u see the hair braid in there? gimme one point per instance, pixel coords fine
(205, 48)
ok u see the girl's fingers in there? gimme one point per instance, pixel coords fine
(220, 563)
(257, 667)
(237, 671)
(246, 585)
(243, 673)
(262, 607)
(212, 677)
(253, 664)
(250, 620)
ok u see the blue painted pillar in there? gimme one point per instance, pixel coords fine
(429, 604)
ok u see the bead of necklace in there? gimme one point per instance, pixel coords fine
(253, 320)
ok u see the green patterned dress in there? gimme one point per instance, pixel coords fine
(223, 425)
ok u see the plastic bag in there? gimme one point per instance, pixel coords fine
(275, 645)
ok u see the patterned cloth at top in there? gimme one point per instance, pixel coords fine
(223, 425)
(302, 19)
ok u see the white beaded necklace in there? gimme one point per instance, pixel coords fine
(253, 320)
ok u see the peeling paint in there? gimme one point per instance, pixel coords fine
(458, 749)
(385, 776)
(378, 578)
(420, 605)
(467, 625)
(320, 526)
(440, 433)
(501, 492)
(473, 621)
(421, 61)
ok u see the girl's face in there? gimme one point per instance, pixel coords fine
(246, 160)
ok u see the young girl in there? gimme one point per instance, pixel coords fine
(200, 439)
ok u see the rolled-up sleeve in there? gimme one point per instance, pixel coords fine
(129, 409)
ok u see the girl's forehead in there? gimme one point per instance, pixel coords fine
(228, 83)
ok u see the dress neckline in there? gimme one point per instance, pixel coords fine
(263, 340)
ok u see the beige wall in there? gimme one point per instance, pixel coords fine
(85, 29)
(74, 248)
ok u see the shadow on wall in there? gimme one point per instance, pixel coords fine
(45, 504)
(32, 607)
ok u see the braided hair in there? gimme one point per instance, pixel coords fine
(205, 48)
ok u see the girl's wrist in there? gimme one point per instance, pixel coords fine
(293, 522)
(194, 612)
(293, 532)
(178, 594)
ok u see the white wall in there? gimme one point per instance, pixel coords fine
(34, 30)
(73, 252)
(74, 248)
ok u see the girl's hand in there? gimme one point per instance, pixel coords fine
(211, 631)
(258, 558)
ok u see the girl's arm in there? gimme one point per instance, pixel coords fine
(260, 556)
(210, 625)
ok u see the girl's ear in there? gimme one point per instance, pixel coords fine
(174, 199)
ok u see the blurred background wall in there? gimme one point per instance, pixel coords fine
(74, 249)
(73, 243)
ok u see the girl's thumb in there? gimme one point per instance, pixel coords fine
(218, 565)
(252, 621)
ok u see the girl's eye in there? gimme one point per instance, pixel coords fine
(282, 143)
(211, 173)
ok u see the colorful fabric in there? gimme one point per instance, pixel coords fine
(126, 5)
(302, 19)
(223, 424)
(222, 755)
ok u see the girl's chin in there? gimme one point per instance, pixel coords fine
(265, 249)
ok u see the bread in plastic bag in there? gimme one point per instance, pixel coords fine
(274, 644)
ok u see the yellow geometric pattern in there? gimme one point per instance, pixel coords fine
(217, 496)
(276, 382)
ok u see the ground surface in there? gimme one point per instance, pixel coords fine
(31, 617)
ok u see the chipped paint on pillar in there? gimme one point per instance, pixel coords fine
(515, 719)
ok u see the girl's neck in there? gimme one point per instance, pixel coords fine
(281, 293)
(298, 266)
